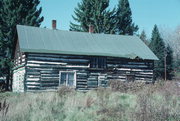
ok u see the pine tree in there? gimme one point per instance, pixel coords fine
(169, 62)
(143, 37)
(124, 24)
(13, 12)
(95, 13)
(158, 47)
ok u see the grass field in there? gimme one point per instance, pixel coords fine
(159, 102)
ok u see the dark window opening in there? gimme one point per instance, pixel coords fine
(98, 62)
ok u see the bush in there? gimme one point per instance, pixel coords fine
(65, 90)
(117, 85)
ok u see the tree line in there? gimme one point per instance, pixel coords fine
(88, 12)
(119, 21)
(104, 20)
(13, 12)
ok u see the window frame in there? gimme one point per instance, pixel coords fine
(74, 81)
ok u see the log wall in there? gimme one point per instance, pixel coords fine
(19, 70)
(42, 71)
(119, 69)
(18, 79)
(19, 57)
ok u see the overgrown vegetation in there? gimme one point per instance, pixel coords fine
(158, 102)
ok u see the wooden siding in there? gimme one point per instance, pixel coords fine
(42, 71)
(19, 57)
(119, 68)
(19, 70)
(18, 80)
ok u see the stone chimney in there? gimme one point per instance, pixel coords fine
(91, 29)
(54, 24)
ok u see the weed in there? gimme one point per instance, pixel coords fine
(158, 102)
(4, 106)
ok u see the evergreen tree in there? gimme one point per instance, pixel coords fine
(124, 24)
(144, 38)
(169, 62)
(177, 64)
(95, 13)
(13, 12)
(158, 47)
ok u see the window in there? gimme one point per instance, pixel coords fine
(67, 78)
(98, 62)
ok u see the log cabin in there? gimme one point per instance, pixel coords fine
(45, 59)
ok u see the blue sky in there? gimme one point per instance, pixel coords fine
(146, 13)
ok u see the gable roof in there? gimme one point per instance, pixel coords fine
(42, 40)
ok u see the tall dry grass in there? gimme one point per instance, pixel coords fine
(159, 102)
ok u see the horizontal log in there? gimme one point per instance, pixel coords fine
(57, 67)
(50, 88)
(92, 83)
(56, 55)
(33, 83)
(51, 71)
(42, 62)
(32, 79)
(32, 87)
(127, 66)
(94, 74)
(57, 59)
(81, 80)
(50, 75)
(81, 87)
(49, 84)
(33, 76)
(81, 83)
(50, 79)
(81, 74)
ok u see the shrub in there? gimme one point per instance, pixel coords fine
(103, 95)
(117, 85)
(65, 90)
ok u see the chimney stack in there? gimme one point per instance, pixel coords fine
(53, 24)
(91, 29)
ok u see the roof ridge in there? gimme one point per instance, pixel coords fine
(76, 31)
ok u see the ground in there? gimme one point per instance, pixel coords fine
(137, 102)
